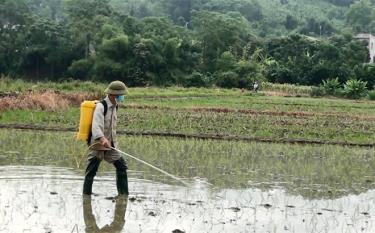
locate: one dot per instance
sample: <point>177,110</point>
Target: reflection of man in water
<point>118,220</point>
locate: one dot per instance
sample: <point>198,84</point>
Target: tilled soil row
<point>255,112</point>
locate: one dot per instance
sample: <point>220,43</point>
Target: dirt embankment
<point>55,100</point>
<point>45,100</point>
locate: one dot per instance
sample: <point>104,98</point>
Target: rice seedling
<point>297,168</point>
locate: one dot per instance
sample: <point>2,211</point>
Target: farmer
<point>256,86</point>
<point>104,136</point>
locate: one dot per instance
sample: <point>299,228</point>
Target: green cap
<point>116,88</point>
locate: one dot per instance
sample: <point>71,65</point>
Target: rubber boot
<point>87,185</point>
<point>122,183</point>
<point>121,177</point>
<point>92,168</point>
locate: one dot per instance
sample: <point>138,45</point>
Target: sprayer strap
<point>105,106</point>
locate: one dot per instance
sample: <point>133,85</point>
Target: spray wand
<point>152,166</point>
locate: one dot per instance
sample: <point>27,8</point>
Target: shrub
<point>196,79</point>
<point>81,69</point>
<point>227,79</point>
<point>355,89</point>
<point>108,70</point>
<point>340,92</point>
<point>331,86</point>
<point>317,91</point>
<point>371,95</point>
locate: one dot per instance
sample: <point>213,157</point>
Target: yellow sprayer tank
<point>85,121</point>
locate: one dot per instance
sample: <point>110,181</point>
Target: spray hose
<point>152,166</point>
<point>144,162</point>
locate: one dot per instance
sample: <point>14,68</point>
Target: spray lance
<point>146,163</point>
<point>152,166</point>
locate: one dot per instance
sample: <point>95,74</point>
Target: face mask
<point>120,98</point>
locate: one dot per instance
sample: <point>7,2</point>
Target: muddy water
<point>47,199</point>
<point>234,188</point>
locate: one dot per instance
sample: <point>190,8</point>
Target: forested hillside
<point>186,42</point>
<point>267,17</point>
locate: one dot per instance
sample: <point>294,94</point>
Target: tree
<point>366,72</point>
<point>290,22</point>
<point>313,27</point>
<point>110,61</point>
<point>361,16</point>
<point>48,50</point>
<point>179,11</point>
<point>51,9</point>
<point>14,20</point>
<point>341,2</point>
<point>232,35</point>
<point>226,62</point>
<point>308,61</point>
<point>250,9</point>
<point>85,20</point>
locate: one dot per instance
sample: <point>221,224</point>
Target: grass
<point>66,118</point>
<point>8,85</point>
<point>285,89</point>
<point>20,86</point>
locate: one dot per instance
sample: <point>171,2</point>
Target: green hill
<point>267,17</point>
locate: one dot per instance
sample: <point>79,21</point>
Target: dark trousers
<point>121,175</point>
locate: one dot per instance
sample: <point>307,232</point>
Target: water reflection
<point>48,199</point>
<point>118,220</point>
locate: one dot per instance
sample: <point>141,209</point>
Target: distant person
<point>104,136</point>
<point>256,86</point>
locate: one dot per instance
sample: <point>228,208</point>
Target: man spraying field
<point>103,137</point>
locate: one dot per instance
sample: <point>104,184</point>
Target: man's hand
<point>104,142</point>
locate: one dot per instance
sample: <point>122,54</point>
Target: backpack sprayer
<point>85,122</point>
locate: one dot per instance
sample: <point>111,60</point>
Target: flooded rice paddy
<point>234,187</point>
